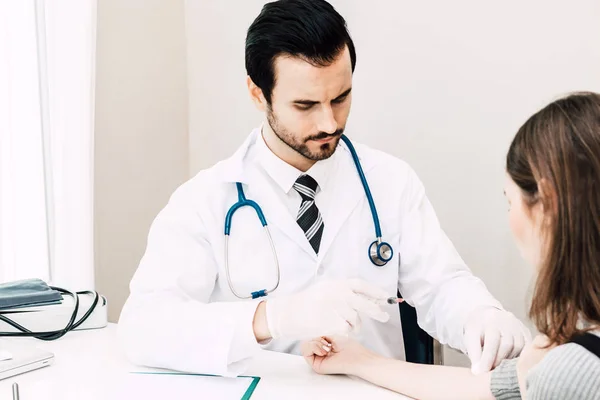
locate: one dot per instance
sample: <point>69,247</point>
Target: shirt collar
<point>322,170</point>
<point>284,174</point>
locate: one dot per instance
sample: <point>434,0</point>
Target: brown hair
<point>555,160</point>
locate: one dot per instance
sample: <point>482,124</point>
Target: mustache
<point>324,135</point>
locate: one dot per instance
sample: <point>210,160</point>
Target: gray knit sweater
<point>566,372</point>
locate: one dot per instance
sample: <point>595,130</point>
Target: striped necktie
<point>309,217</point>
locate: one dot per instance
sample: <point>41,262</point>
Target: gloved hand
<point>492,335</point>
<point>327,308</point>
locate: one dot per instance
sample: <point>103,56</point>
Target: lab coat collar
<point>281,172</point>
<point>348,188</point>
<point>232,168</point>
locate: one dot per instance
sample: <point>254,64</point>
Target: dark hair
<point>555,160</point>
<point>310,29</point>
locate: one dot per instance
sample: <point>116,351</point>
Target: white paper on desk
<point>5,355</point>
<point>161,386</point>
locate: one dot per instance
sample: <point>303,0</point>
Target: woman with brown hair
<point>553,189</point>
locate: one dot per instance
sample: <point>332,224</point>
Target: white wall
<point>443,85</point>
<point>141,143</point>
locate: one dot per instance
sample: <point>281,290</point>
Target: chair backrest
<point>418,345</point>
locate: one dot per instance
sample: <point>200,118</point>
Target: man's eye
<point>304,108</point>
<point>340,100</point>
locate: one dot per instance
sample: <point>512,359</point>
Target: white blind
<point>46,140</point>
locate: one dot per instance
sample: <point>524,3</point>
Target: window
<point>46,141</point>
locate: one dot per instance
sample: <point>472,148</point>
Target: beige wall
<point>141,140</point>
<point>223,115</point>
<point>443,85</point>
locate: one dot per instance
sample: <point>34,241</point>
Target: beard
<point>324,151</point>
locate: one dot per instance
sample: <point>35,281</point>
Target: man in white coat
<point>190,311</point>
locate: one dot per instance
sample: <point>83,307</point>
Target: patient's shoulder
<point>567,372</point>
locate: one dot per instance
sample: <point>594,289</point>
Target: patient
<point>553,191</point>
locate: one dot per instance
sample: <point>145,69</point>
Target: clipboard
<point>254,380</point>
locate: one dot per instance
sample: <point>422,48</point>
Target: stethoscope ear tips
<point>380,252</point>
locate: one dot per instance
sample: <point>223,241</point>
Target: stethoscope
<point>380,252</point>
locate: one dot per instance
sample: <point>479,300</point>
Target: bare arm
<point>425,382</point>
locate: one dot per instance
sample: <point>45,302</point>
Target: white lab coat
<point>182,315</point>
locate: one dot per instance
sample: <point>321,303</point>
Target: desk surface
<point>86,362</point>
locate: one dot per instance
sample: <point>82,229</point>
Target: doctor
<point>323,268</point>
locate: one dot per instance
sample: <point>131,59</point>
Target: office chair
<point>418,345</point>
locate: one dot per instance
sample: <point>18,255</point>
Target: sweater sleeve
<point>504,383</point>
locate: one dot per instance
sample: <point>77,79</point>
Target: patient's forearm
<point>425,382</point>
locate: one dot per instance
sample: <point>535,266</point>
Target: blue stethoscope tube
<point>380,252</point>
<point>242,202</point>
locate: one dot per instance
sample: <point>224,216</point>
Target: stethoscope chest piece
<point>380,252</point>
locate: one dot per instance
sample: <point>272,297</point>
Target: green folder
<point>247,395</point>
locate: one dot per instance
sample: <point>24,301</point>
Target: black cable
<point>90,310</point>
<point>53,335</point>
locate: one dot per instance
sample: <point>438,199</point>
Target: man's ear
<point>256,94</point>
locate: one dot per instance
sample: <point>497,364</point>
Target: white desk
<point>88,362</point>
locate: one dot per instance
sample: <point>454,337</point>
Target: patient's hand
<point>336,355</point>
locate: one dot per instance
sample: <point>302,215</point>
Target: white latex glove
<point>492,335</point>
<point>327,308</point>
